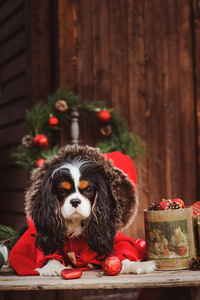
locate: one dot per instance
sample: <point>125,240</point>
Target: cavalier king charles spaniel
<point>82,193</point>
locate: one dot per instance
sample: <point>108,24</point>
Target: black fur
<point>99,227</point>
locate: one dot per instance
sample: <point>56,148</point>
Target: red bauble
<point>104,116</point>
<point>39,162</point>
<point>179,201</point>
<point>112,265</point>
<point>40,141</point>
<point>53,121</point>
<point>164,203</point>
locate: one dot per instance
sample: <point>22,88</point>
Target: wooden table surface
<point>93,280</point>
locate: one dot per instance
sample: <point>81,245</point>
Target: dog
<point>77,201</point>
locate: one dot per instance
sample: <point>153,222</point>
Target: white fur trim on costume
<point>52,268</point>
<point>4,251</point>
<point>137,267</point>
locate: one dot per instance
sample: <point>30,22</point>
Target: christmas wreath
<point>44,122</point>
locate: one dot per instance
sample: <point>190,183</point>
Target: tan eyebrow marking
<point>83,184</point>
<point>66,185</point>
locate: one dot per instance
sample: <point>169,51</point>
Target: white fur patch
<point>137,267</point>
<point>52,268</point>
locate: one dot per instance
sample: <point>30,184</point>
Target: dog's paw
<point>137,267</point>
<point>52,268</point>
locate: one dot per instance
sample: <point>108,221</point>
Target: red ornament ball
<point>53,121</point>
<point>164,203</point>
<point>40,141</point>
<point>39,162</point>
<point>112,265</point>
<point>104,116</point>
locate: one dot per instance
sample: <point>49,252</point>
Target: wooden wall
<point>143,58</point>
<point>25,78</point>
<point>14,98</point>
<point>139,56</point>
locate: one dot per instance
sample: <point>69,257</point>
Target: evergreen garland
<point>115,135</point>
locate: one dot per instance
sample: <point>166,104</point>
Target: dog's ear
<point>48,220</point>
<point>101,229</point>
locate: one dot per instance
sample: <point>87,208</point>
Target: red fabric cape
<point>25,258</point>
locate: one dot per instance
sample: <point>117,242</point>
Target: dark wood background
<point>139,56</point>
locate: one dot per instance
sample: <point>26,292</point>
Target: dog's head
<point>79,192</point>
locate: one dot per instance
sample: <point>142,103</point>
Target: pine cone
<point>61,105</point>
<point>106,130</point>
<point>195,264</point>
<point>173,205</point>
<point>27,141</point>
<point>155,206</point>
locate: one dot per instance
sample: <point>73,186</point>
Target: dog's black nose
<point>75,202</point>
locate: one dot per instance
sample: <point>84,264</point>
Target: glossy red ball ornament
<point>39,162</point>
<point>112,265</point>
<point>53,121</point>
<point>71,273</point>
<point>40,141</point>
<point>179,201</point>
<point>164,203</point>
<point>104,116</point>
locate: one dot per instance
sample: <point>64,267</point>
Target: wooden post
<point>74,126</point>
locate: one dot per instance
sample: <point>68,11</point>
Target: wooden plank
<point>7,10</point>
<point>154,107</point>
<point>7,29</point>
<point>67,39</point>
<point>13,67</point>
<point>118,55</point>
<point>12,135</point>
<point>196,26</point>
<point>14,112</point>
<point>14,89</point>
<point>40,56</point>
<point>84,49</point>
<point>13,46</point>
<point>101,50</point>
<point>14,220</point>
<point>93,280</point>
<point>13,200</point>
<point>137,103</point>
<point>13,178</point>
<point>171,100</point>
<point>6,159</point>
<point>187,102</point>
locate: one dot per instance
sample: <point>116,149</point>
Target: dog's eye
<point>62,192</point>
<point>88,190</point>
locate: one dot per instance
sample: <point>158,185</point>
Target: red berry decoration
<point>179,201</point>
<point>104,116</point>
<point>40,141</point>
<point>53,121</point>
<point>112,265</point>
<point>39,162</point>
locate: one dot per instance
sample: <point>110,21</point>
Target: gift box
<point>170,238</point>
